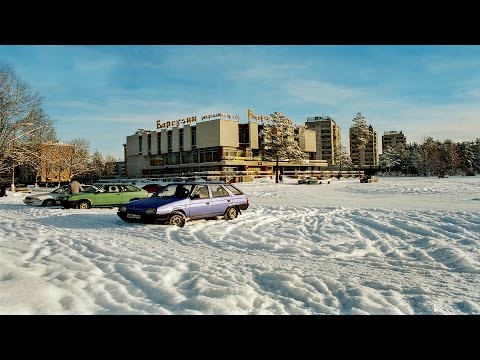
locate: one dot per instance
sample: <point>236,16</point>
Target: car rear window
<point>128,188</point>
<point>233,189</point>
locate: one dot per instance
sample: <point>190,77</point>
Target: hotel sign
<point>183,121</point>
<point>219,115</point>
<point>251,115</point>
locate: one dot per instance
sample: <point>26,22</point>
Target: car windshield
<point>174,190</point>
<point>61,190</point>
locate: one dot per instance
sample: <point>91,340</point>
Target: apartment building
<point>393,138</point>
<point>369,154</point>
<point>327,137</point>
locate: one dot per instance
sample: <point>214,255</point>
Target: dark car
<point>178,202</point>
<point>368,179</point>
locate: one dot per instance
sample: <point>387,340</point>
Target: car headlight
<point>122,208</point>
<point>151,211</point>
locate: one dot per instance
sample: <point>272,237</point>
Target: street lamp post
<point>20,124</point>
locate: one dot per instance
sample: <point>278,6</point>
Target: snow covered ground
<point>399,246</point>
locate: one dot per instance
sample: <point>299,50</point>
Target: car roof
<point>198,183</point>
<point>109,184</point>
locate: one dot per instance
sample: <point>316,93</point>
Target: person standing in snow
<point>3,190</point>
<point>75,186</point>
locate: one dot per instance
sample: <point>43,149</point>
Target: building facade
<point>393,138</point>
<point>217,147</point>
<point>327,137</point>
<point>55,157</point>
<point>369,154</point>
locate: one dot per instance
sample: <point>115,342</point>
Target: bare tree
<point>80,161</point>
<point>280,141</point>
<point>109,165</point>
<point>97,164</point>
<point>22,122</point>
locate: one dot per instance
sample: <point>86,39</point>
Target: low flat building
<point>217,146</point>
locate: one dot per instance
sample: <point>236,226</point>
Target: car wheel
<point>177,218</point>
<point>83,205</point>
<point>231,213</point>
<point>49,202</point>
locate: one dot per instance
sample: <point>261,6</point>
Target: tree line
<point>433,158</point>
<point>25,129</point>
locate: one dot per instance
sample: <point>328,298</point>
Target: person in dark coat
<point>3,190</point>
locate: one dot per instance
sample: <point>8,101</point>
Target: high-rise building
<point>392,138</point>
<point>327,136</point>
<point>367,155</point>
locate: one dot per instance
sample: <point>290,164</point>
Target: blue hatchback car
<point>178,202</point>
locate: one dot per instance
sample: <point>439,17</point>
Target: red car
<point>152,188</point>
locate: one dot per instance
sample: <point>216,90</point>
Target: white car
<point>47,199</point>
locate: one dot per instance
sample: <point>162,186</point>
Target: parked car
<point>308,180</point>
<point>152,188</point>
<point>368,179</point>
<point>106,195</point>
<point>47,199</point>
<point>178,202</point>
<point>324,181</point>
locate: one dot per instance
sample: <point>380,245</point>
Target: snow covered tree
<point>429,157</point>
<point>410,158</point>
<point>341,157</point>
<point>466,152</point>
<point>390,158</point>
<point>449,159</point>
<point>279,141</point>
<point>360,131</point>
<point>360,135</point>
<point>476,151</point>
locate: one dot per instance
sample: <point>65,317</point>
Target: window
<point>181,138</point>
<point>200,192</point>
<point>194,137</point>
<point>233,189</point>
<point>140,144</point>
<point>170,141</point>
<point>243,134</point>
<point>159,143</point>
<point>219,191</point>
<point>149,142</point>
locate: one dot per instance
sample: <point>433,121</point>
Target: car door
<point>220,199</point>
<point>111,196</point>
<point>200,202</point>
<point>130,192</point>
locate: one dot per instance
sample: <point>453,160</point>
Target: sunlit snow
<point>399,246</point>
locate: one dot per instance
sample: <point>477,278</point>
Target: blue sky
<point>105,93</point>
